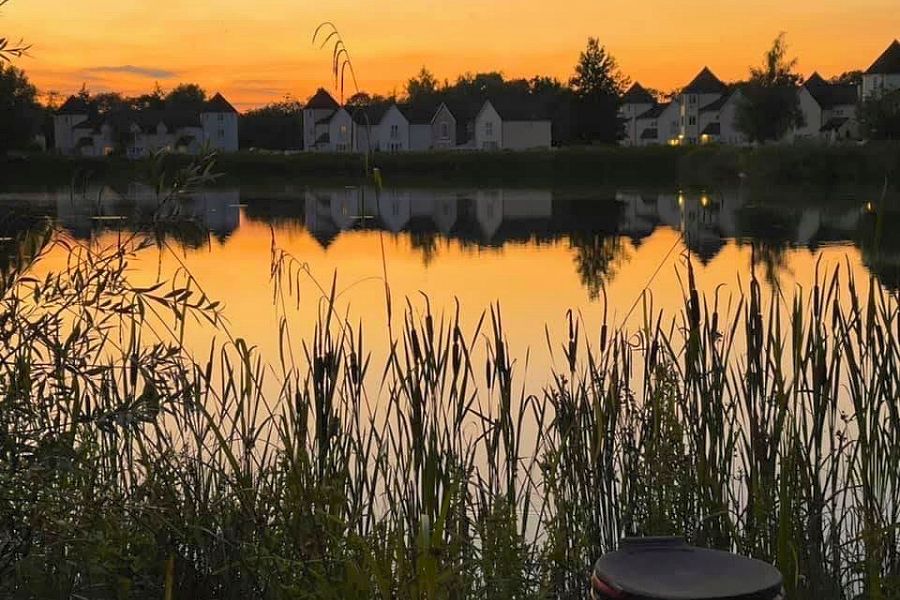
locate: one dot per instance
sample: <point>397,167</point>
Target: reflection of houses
<point>214,211</point>
<point>705,220</point>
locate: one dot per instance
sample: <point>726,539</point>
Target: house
<point>704,90</point>
<point>829,110</point>
<point>431,128</point>
<point>718,121</point>
<point>659,125</point>
<point>884,74</point>
<point>380,127</point>
<point>81,130</point>
<point>511,128</point>
<point>327,126</point>
<point>636,102</point>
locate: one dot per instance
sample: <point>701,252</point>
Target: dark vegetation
<point>128,468</point>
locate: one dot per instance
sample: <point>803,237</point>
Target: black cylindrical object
<point>665,568</point>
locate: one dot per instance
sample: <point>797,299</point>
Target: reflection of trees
<point>597,258</point>
<point>880,252</point>
<point>769,232</point>
<point>425,242</point>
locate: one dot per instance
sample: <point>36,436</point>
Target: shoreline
<point>869,164</point>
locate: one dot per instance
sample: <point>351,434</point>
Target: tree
<point>770,106</point>
<point>20,113</point>
<point>848,78</point>
<point>155,100</point>
<point>186,96</point>
<point>879,116</point>
<point>423,85</point>
<point>598,84</point>
<point>597,73</point>
<point>276,126</point>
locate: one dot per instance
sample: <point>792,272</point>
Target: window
<point>489,129</point>
<point>221,118</point>
<point>221,133</point>
<point>692,99</point>
<point>343,131</point>
<point>395,132</point>
<point>692,120</point>
<point>445,131</point>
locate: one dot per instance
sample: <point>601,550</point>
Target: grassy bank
<point>783,164</point>
<point>131,469</point>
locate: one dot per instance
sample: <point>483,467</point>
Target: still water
<point>538,253</point>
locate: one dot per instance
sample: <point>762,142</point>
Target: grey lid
<point>669,569</point>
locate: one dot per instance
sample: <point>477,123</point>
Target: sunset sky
<point>256,51</point>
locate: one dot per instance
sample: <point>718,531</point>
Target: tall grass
<point>131,469</point>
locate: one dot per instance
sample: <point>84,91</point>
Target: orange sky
<point>256,51</point>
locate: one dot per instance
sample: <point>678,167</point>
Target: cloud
<point>148,72</point>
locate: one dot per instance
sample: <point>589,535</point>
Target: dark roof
<point>322,99</point>
<point>705,83</point>
<point>888,63</point>
<point>829,95</point>
<point>148,120</point>
<point>834,124</point>
<point>92,124</point>
<point>651,133</point>
<point>717,105</point>
<point>375,113</point>
<point>323,139</point>
<point>421,113</point>
<point>712,129</point>
<point>74,105</point>
<point>218,104</point>
<point>518,111</point>
<point>636,94</point>
<point>655,112</point>
<point>326,118</point>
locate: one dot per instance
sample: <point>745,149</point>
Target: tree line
<point>583,109</point>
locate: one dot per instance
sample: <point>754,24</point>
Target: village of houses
<point>703,112</point>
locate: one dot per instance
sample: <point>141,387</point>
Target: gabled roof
<point>655,112</point>
<point>705,83</point>
<point>74,105</point>
<point>834,124</point>
<point>322,100</point>
<point>218,104</point>
<point>888,63</point>
<point>717,105</point>
<point>421,113</point>
<point>516,111</point>
<point>828,95</point>
<point>636,94</point>
<point>714,128</point>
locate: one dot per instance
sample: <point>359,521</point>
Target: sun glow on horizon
<point>262,52</point>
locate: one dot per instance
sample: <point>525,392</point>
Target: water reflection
<point>594,224</point>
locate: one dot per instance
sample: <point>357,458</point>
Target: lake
<point>537,252</point>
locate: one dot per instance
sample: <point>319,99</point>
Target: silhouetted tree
<point>276,126</point>
<point>186,96</point>
<point>598,84</point>
<point>770,106</point>
<point>20,113</point>
<point>154,100</point>
<point>879,116</point>
<point>423,86</point>
<point>848,78</point>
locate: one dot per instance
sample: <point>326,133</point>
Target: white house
<point>635,103</point>
<point>659,125</point>
<point>513,129</point>
<point>884,74</point>
<point>704,90</point>
<point>393,131</point>
<point>80,130</point>
<point>829,110</point>
<point>431,128</point>
<point>327,126</point>
<point>718,121</point>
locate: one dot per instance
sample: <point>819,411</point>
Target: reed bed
<point>130,469</point>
